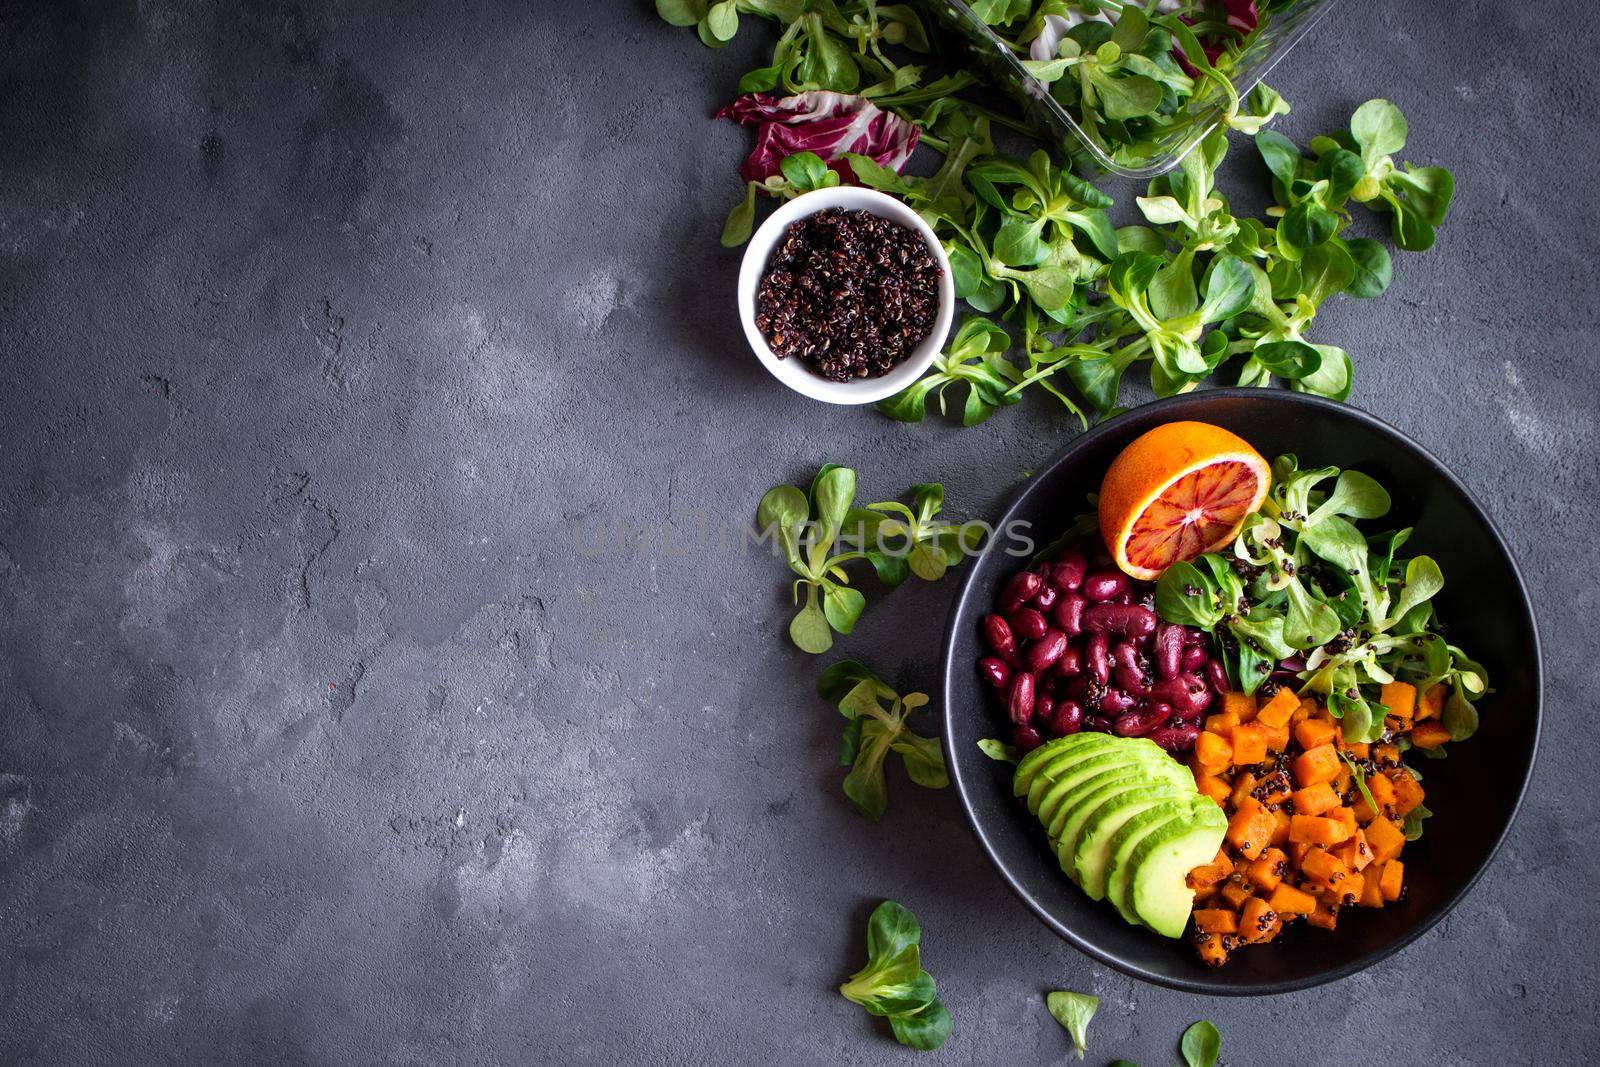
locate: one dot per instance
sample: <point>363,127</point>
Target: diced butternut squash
<point>1314,799</point>
<point>1216,920</point>
<point>1316,830</point>
<point>1408,792</point>
<point>1431,706</point>
<point>1256,920</point>
<point>1430,734</point>
<point>1297,853</point>
<point>1322,867</point>
<point>1249,744</point>
<point>1274,788</point>
<point>1211,786</point>
<point>1371,895</point>
<point>1308,709</point>
<point>1244,784</point>
<point>1280,709</point>
<point>1250,829</point>
<point>1346,817</point>
<point>1314,733</point>
<point>1354,853</point>
<point>1280,827</point>
<point>1287,900</point>
<point>1385,839</point>
<point>1385,755</point>
<point>1392,880</point>
<point>1277,737</point>
<point>1401,700</point>
<point>1319,764</point>
<point>1212,952</point>
<point>1268,869</point>
<point>1235,893</point>
<point>1213,751</point>
<point>1242,706</point>
<point>1325,915</point>
<point>1204,877</point>
<point>1222,724</point>
<point>1382,790</point>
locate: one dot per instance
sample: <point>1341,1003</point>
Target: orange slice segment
<point>1178,491</point>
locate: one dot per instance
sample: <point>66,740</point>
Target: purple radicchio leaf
<point>829,124</point>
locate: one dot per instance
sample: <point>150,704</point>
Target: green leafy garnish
<point>1073,1011</point>
<point>875,725</point>
<point>899,539</point>
<point>1201,1044</point>
<point>1302,579</point>
<point>805,527</point>
<point>997,750</point>
<point>893,983</point>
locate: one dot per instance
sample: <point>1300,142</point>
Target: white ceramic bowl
<point>793,372</point>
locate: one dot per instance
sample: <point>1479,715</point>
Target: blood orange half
<point>1180,490</point>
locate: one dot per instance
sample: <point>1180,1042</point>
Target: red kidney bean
<point>1137,722</point>
<point>1023,587</point>
<point>1169,649</point>
<point>1070,665</point>
<point>1068,718</point>
<point>1178,737</point>
<point>1043,653</point>
<point>1085,691</point>
<point>997,635</point>
<point>1193,637</point>
<point>993,670</point>
<point>1125,653</point>
<point>1097,657</point>
<point>1044,707</point>
<point>1115,702</point>
<point>1097,724</point>
<point>1185,692</point>
<point>1068,613</point>
<point>1025,739</point>
<point>1127,619</point>
<point>1068,570</point>
<point>1104,585</point>
<point>1020,698</point>
<point>1216,675</point>
<point>1045,599</point>
<point>1131,681</point>
<point>1025,622</point>
<point>1194,657</point>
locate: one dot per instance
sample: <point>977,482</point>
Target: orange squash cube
<point>1385,839</point>
<point>1279,710</point>
<point>1325,915</point>
<point>1392,880</point>
<point>1249,744</point>
<point>1256,920</point>
<point>1222,724</point>
<point>1250,829</point>
<point>1268,869</point>
<point>1212,750</point>
<point>1318,764</point>
<point>1430,734</point>
<point>1408,792</point>
<point>1216,920</point>
<point>1354,853</point>
<point>1212,786</point>
<point>1314,799</point>
<point>1431,706</point>
<point>1371,895</point>
<point>1287,900</point>
<point>1313,733</point>
<point>1235,893</point>
<point>1316,830</point>
<point>1242,706</point>
<point>1401,700</point>
<point>1211,950</point>
<point>1322,867</point>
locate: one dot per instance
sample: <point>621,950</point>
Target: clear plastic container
<point>1057,126</point>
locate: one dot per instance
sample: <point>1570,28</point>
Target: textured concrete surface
<point>325,741</point>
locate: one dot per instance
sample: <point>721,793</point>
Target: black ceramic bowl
<point>1474,794</point>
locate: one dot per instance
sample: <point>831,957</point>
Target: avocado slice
<point>1086,774</point>
<point>1160,867</point>
<point>1066,824</point>
<point>1067,767</point>
<point>1063,750</point>
<point>1092,856</point>
<point>1150,825</point>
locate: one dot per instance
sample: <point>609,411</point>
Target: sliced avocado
<point>1160,867</point>
<point>1053,754</point>
<point>1093,852</point>
<point>1068,766</point>
<point>1066,823</point>
<point>1151,824</point>
<point>1088,772</point>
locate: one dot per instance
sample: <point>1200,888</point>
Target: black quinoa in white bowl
<point>845,295</point>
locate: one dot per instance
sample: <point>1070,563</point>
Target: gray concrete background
<point>321,329</point>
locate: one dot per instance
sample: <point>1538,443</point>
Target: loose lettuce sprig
<point>876,726</point>
<point>893,983</point>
